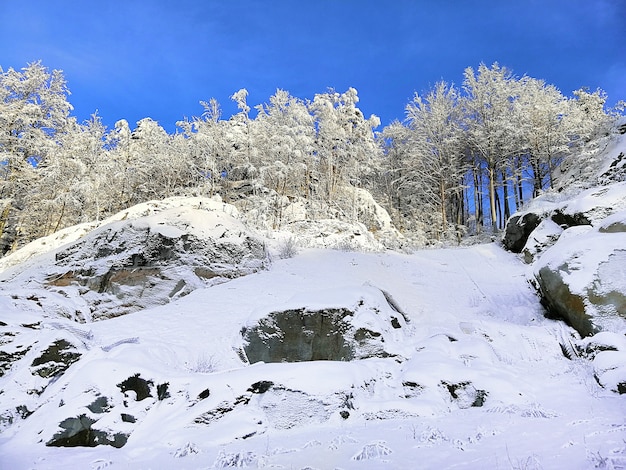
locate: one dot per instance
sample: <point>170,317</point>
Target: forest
<point>461,160</point>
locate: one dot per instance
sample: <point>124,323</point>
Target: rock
<point>616,170</point>
<point>464,394</point>
<point>140,387</point>
<point>144,261</point>
<point>560,302</point>
<point>55,359</point>
<point>582,279</point>
<point>588,207</point>
<point>544,236</point>
<point>78,432</point>
<point>614,224</point>
<point>365,328</point>
<point>300,335</point>
<point>566,220</point>
<point>518,229</point>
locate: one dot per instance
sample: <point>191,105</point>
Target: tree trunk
<point>492,198</point>
<point>505,188</point>
<point>442,195</point>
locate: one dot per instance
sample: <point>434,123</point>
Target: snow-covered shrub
<point>372,451</point>
<point>204,364</point>
<point>240,459</point>
<point>288,248</point>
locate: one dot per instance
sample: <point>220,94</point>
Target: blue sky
<point>158,59</point>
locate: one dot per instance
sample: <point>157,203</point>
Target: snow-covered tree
<point>543,121</point>
<point>34,112</point>
<point>345,145</point>
<point>491,132</point>
<point>285,138</point>
<point>436,154</point>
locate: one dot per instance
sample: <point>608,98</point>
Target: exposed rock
<point>616,170</point>
<point>126,418</point>
<point>464,394</point>
<point>518,229</point>
<point>8,358</point>
<point>364,329</point>
<point>140,262</point>
<point>261,387</point>
<point>544,236</point>
<point>566,220</point>
<point>99,405</point>
<point>582,279</point>
<point>78,431</point>
<point>589,207</point>
<point>300,335</point>
<point>561,302</point>
<point>55,359</point>
<point>614,224</point>
<point>139,386</point>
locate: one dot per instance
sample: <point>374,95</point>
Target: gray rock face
<point>590,207</point>
<point>300,335</point>
<point>129,265</point>
<point>577,246</point>
<point>518,229</point>
<point>78,432</point>
<point>582,279</point>
<point>561,303</point>
<point>328,334</point>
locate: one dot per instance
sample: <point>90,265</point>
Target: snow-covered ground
<point>478,378</point>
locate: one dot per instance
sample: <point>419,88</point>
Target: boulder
<point>145,260</point>
<point>366,327</point>
<point>588,207</point>
<point>543,237</point>
<point>607,352</point>
<point>78,432</point>
<point>582,279</point>
<point>614,224</point>
<point>518,229</point>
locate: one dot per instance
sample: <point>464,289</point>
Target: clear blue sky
<point>154,58</point>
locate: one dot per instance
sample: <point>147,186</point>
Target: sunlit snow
<point>479,380</point>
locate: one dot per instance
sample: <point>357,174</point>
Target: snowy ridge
<point>71,234</point>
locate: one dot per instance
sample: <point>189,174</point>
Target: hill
<point>441,355</point>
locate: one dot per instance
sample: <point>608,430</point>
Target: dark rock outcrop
<point>132,264</point>
<point>561,303</point>
<point>300,335</point>
<point>78,432</point>
<point>590,207</point>
<point>518,229</point>
<point>55,359</point>
<point>582,279</point>
<point>366,329</point>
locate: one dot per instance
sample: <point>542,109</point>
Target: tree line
<point>462,159</point>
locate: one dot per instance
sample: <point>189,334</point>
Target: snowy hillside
<point>443,359</point>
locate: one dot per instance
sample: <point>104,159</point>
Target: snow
<point>585,249</point>
<point>475,332</point>
<point>71,234</point>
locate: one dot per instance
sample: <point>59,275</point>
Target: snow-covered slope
<point>145,256</point>
<point>576,239</point>
<point>475,377</point>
